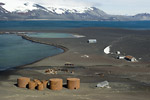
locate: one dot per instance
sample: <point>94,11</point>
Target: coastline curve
<point>65,49</point>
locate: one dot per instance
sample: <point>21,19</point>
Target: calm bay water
<point>15,51</point>
<point>49,25</point>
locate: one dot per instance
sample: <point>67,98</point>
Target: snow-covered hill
<point>24,6</point>
<point>17,5</point>
<point>47,10</point>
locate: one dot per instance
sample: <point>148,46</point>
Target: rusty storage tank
<point>40,87</point>
<point>22,82</point>
<point>73,83</point>
<point>37,81</point>
<point>44,82</point>
<point>56,84</point>
<point>32,85</point>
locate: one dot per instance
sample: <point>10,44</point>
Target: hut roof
<point>128,57</point>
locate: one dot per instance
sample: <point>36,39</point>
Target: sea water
<point>52,25</point>
<point>15,51</point>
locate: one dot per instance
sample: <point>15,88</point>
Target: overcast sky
<point>123,7</point>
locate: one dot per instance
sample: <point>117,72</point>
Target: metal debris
<point>50,71</point>
<point>104,84</point>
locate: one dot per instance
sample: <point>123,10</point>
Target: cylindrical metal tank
<point>73,83</point>
<point>37,81</point>
<point>45,82</point>
<point>40,87</point>
<point>56,84</point>
<point>32,85</point>
<point>22,82</point>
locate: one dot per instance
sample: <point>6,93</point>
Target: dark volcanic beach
<point>128,80</point>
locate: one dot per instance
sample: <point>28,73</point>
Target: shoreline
<point>65,48</point>
<point>91,65</point>
<point>58,45</point>
<point>35,41</point>
<point>86,38</point>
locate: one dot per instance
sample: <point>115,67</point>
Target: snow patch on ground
<point>107,50</point>
<point>70,10</point>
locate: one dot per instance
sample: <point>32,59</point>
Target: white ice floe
<point>107,50</point>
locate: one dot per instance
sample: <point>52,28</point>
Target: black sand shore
<point>128,80</point>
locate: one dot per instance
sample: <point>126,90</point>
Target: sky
<point>117,7</point>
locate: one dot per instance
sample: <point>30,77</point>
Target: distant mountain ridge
<point>33,11</point>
